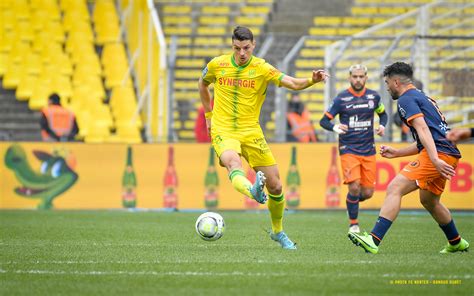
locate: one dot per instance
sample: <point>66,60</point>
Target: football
<point>210,226</point>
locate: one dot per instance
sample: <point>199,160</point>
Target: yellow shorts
<point>249,143</point>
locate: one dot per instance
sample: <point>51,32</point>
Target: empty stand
<point>51,46</point>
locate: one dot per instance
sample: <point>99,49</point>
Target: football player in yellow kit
<point>240,83</point>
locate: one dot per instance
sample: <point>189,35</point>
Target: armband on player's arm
<point>208,115</point>
<point>311,82</point>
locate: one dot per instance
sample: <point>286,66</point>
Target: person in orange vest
<point>299,125</point>
<point>58,124</point>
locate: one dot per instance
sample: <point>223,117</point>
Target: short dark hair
<point>55,99</point>
<point>242,33</point>
<point>400,69</point>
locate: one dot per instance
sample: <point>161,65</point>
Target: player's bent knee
<point>275,188</point>
<point>428,203</point>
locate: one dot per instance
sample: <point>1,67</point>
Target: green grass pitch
<point>157,253</point>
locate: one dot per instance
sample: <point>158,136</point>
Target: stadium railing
<point>437,49</point>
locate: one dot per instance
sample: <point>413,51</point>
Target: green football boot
<point>365,241</point>
<point>462,246</point>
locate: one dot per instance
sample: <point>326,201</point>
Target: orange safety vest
<point>301,126</point>
<point>60,121</point>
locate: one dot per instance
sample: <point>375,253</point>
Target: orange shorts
<point>425,174</point>
<point>356,167</point>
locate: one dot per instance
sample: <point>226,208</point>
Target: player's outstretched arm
<point>458,134</point>
<point>303,83</point>
<point>390,152</point>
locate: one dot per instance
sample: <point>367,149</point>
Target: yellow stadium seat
<point>39,97</point>
<point>25,88</point>
<point>61,85</point>
<point>178,30</point>
<point>3,63</point>
<point>206,52</point>
<point>186,134</point>
<point>364,10</point>
<point>260,1</point>
<point>177,9</point>
<point>224,9</point>
<point>12,76</point>
<point>213,31</point>
<point>96,133</point>
<point>348,31</point>
<point>357,21</point>
<point>323,31</point>
<point>248,10</point>
<point>309,64</point>
<point>113,52</point>
<point>392,10</point>
<point>327,20</point>
<point>187,74</point>
<point>129,134</point>
<point>177,20</point>
<point>190,63</point>
<point>184,84</point>
<point>209,41</point>
<point>213,20</point>
<point>32,64</point>
<point>186,95</point>
<point>317,42</point>
<point>250,20</point>
<point>311,53</point>
<point>21,10</point>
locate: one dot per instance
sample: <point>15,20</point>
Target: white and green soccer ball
<point>210,226</point>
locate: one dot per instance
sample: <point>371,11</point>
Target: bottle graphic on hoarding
<point>170,183</point>
<point>250,203</point>
<point>333,182</point>
<point>211,183</point>
<point>293,182</point>
<point>129,182</point>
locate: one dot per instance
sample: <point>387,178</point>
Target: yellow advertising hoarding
<point>91,176</point>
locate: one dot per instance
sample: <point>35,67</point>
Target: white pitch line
<point>75,262</point>
<point>144,273</point>
<point>221,274</point>
<point>94,244</point>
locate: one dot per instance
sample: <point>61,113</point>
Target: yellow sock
<point>276,206</point>
<point>240,182</point>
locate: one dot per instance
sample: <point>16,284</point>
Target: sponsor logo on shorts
<point>415,164</point>
<point>262,144</point>
<point>217,140</point>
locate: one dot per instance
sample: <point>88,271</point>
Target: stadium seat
<point>214,10</point>
<point>177,9</point>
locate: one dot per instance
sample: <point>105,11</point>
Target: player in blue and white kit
<point>436,162</point>
<point>356,107</point>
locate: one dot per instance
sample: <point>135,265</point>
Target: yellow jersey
<point>239,91</point>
